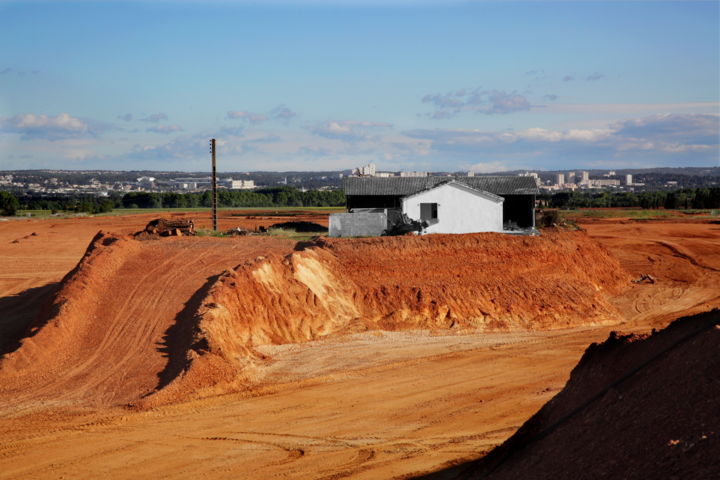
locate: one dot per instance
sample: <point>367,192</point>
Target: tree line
<point>688,198</point>
<point>266,197</point>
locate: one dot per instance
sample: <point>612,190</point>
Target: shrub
<point>8,204</point>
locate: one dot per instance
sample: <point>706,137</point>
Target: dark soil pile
<point>634,408</point>
<point>303,227</point>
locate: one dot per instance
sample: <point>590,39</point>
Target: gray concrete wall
<point>357,224</point>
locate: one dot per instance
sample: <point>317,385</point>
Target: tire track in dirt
<point>676,250</point>
<point>114,349</point>
<point>104,354</point>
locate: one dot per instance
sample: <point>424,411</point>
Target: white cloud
<point>249,117</point>
<point>31,125</point>
<point>659,134</point>
<point>348,130</point>
<point>488,102</point>
<point>165,129</point>
<point>154,118</point>
<point>281,113</point>
<point>487,167</point>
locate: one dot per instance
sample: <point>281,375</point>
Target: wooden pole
<point>214,187</point>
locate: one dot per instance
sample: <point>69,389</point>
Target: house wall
<point>459,210</point>
<point>358,224</point>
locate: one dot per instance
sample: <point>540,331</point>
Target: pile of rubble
<point>164,227</point>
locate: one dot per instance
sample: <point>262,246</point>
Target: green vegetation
<point>268,197</point>
<point>689,198</point>
<point>204,232</point>
<point>9,204</point>
<point>294,235</point>
<point>265,197</point>
<point>618,213</point>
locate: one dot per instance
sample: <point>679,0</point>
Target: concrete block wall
<point>357,224</point>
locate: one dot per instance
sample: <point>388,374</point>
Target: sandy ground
<point>374,405</point>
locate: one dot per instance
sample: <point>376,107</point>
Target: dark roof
<point>402,186</point>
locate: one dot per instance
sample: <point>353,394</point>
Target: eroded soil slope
<point>485,282</point>
<point>110,335</point>
<point>635,407</point>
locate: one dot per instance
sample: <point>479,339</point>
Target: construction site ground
<point>370,405</point>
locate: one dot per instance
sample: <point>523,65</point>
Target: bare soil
<point>363,402</point>
<point>635,407</point>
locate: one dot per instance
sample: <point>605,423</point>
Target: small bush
<point>550,218</point>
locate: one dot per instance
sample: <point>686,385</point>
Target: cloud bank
<point>488,102</point>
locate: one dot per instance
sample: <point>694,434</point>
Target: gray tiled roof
<point>403,186</point>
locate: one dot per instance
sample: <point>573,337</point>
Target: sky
<point>409,85</point>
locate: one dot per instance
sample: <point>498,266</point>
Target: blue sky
<point>298,85</point>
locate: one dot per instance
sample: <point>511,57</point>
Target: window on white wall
<point>428,211</point>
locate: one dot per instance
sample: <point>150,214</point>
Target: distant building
<point>145,182</point>
<point>366,171</point>
<point>571,177</point>
<point>585,178</point>
<point>628,179</point>
<point>560,179</point>
<point>237,184</point>
<point>189,183</point>
<point>413,174</point>
<point>603,182</point>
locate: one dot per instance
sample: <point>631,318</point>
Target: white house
<point>436,204</point>
<point>454,207</point>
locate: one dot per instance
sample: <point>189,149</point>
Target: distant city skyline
<point>414,86</point>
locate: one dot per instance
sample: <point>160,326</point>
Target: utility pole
<point>214,186</point>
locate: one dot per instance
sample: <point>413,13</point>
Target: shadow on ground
<point>24,314</point>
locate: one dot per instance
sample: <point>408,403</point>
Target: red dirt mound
<point>118,327</point>
<point>488,282</point>
<point>634,408</point>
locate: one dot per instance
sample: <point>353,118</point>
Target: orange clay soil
<point>116,331</point>
<point>112,331</point>
<point>171,318</point>
<point>635,407</point>
<point>481,282</point>
<point>683,258</point>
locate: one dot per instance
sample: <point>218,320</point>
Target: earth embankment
<point>160,319</point>
<point>111,334</point>
<point>485,282</point>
